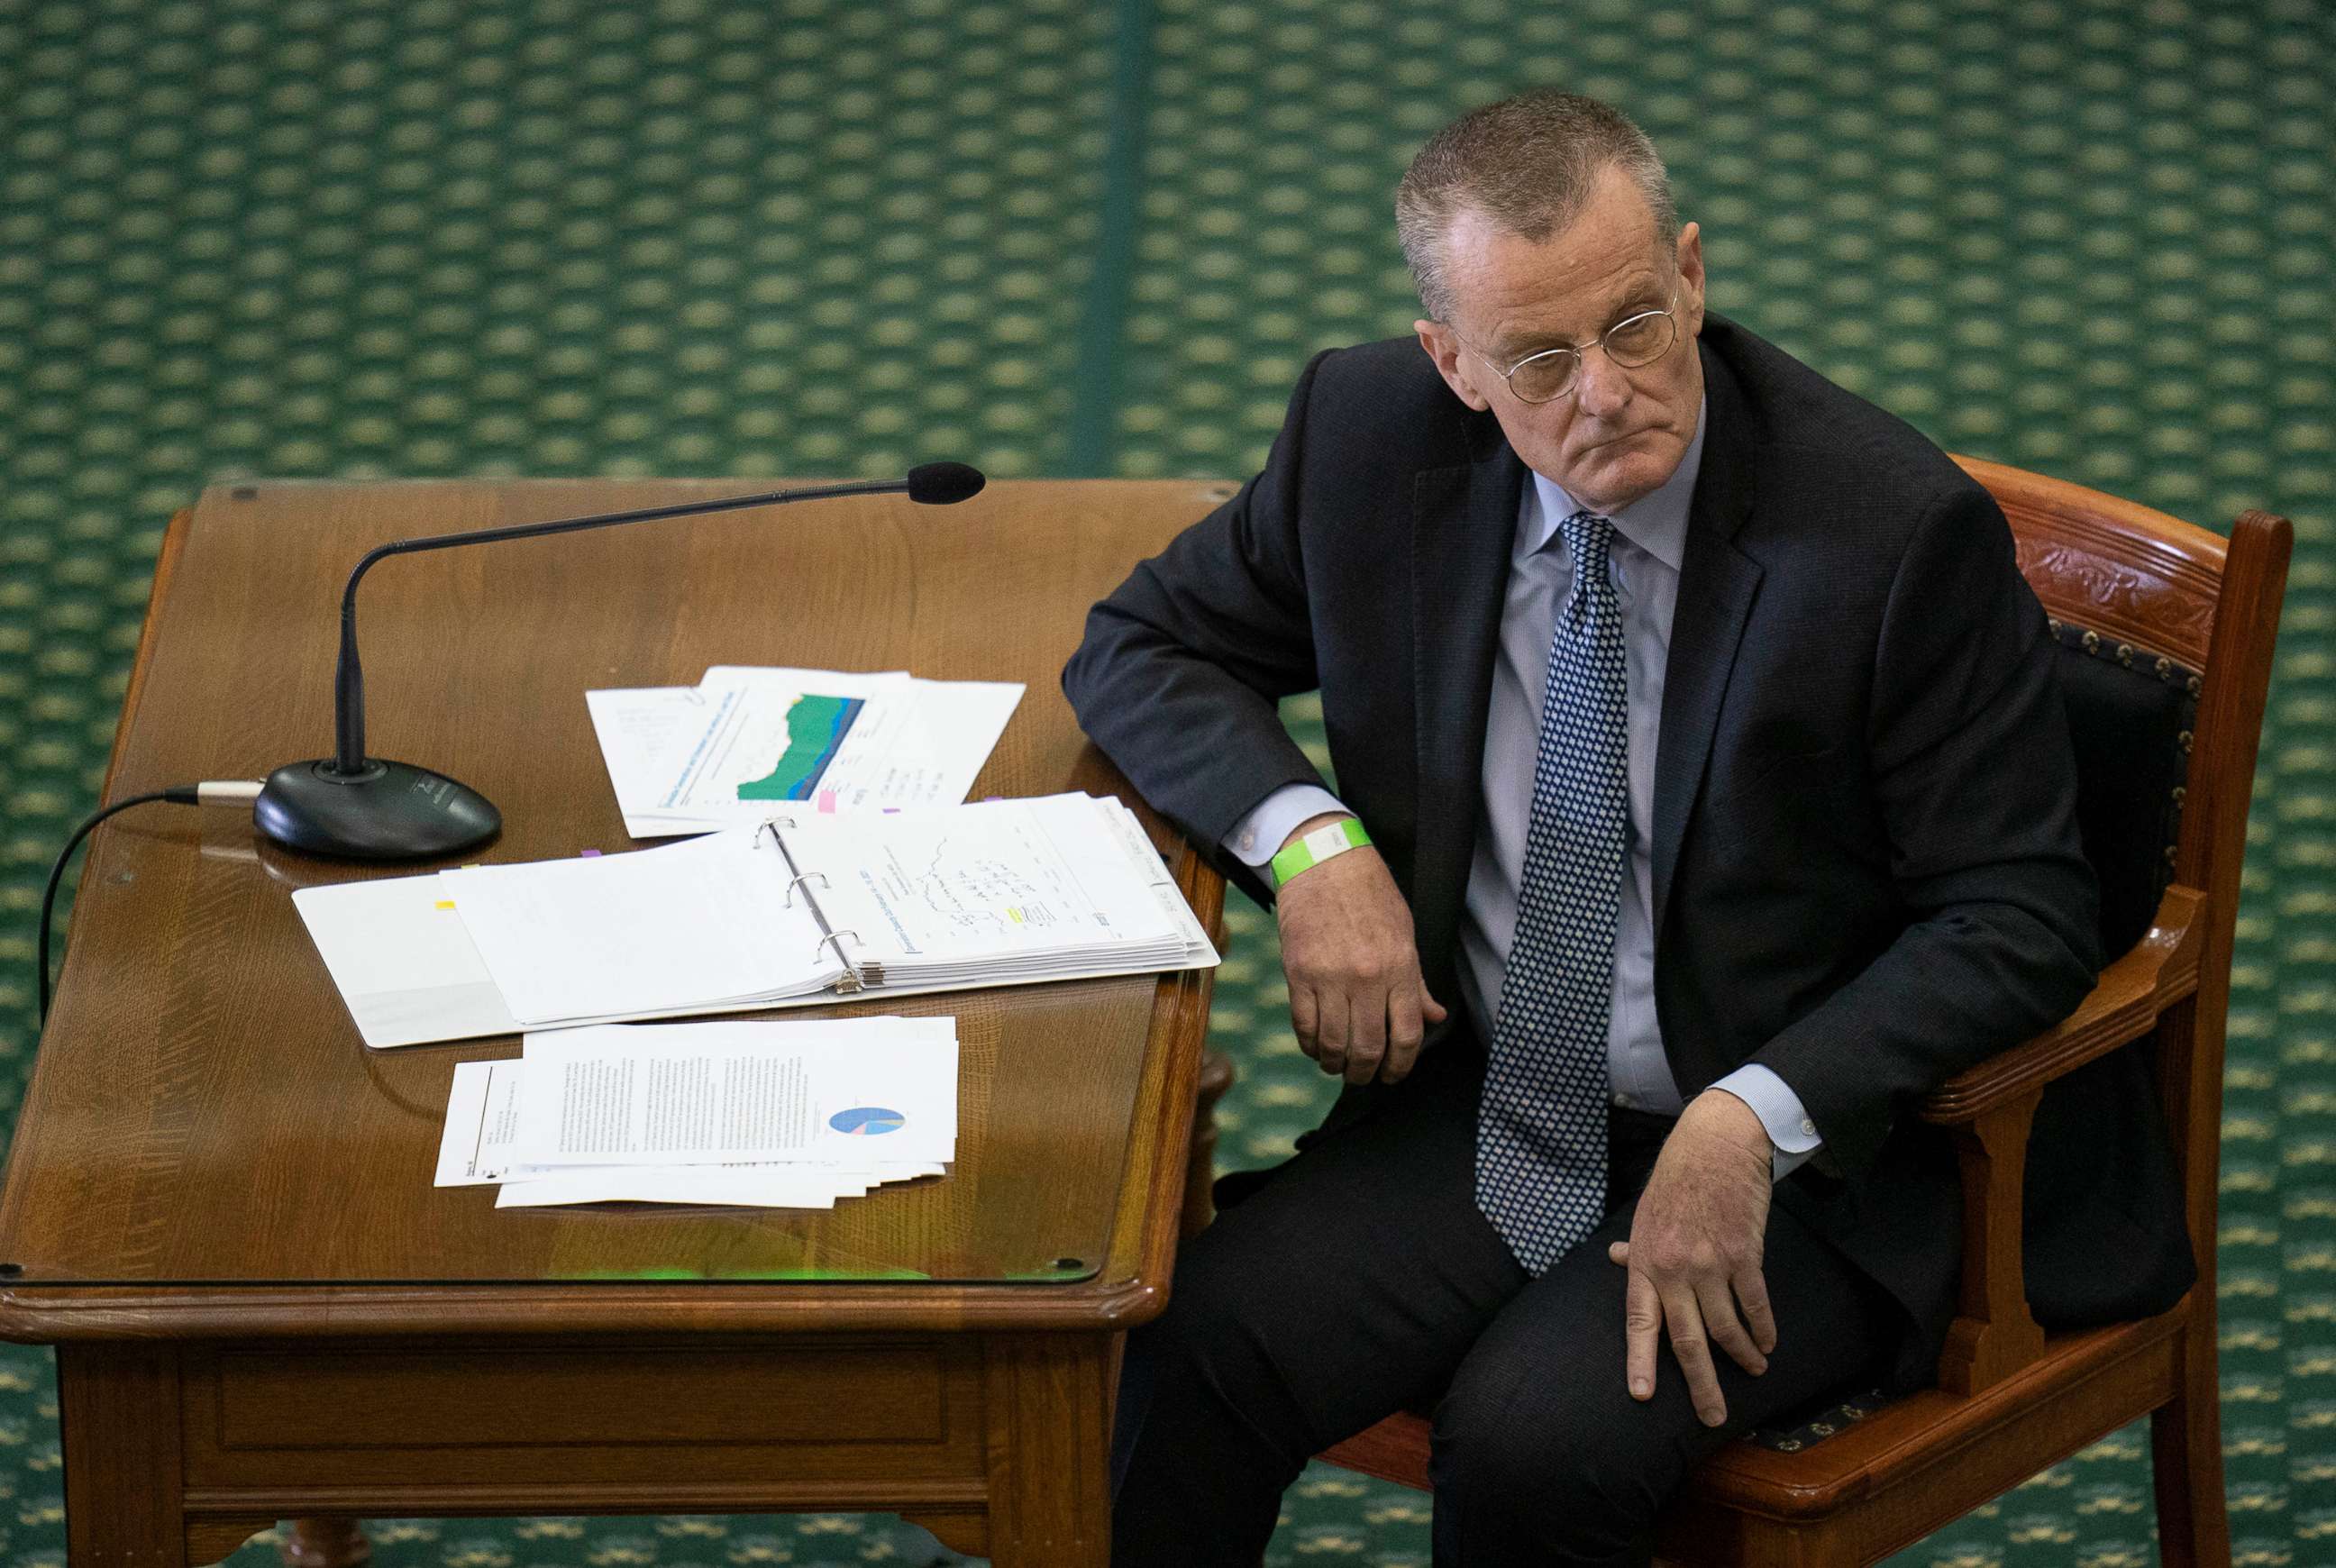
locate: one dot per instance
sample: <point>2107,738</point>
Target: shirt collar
<point>1656,522</point>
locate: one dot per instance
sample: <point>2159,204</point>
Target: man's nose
<point>1601,387</point>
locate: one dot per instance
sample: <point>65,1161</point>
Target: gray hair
<point>1529,164</point>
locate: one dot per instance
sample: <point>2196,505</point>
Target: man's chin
<point>1620,472</point>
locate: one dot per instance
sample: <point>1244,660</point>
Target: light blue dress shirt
<point>1648,543</point>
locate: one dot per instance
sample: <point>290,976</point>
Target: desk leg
<point>118,1407</point>
<point>1049,1405</point>
<point>325,1543</point>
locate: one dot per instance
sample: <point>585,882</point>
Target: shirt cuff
<point>1257,837</point>
<point>1780,1112</point>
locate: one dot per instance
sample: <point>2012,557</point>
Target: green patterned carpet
<point>694,237</point>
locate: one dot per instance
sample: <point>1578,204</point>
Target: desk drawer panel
<point>561,1408</point>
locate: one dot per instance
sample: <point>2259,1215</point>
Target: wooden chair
<point>2146,598</point>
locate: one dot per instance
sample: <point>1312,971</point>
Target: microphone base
<point>393,811</point>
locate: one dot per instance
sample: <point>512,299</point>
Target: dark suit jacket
<point>1866,866</point>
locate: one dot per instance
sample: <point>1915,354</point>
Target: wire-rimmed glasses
<point>1636,340</point>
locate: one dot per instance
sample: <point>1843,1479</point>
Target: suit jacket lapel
<point>1463,523</point>
<point>1717,583</point>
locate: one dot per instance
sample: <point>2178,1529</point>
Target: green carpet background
<point>692,236</point>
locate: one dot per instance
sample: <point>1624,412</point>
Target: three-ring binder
<point>856,976</point>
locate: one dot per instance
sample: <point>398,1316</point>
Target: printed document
<point>694,759</point>
<point>680,1090</point>
<point>716,1093</point>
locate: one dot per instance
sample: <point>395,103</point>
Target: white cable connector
<point>237,791</point>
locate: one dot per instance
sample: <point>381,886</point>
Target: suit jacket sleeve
<point>1178,677</point>
<point>1975,781</point>
<point>1977,793</point>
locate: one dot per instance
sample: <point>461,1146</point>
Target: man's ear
<point>1445,349</point>
<point>1690,270</point>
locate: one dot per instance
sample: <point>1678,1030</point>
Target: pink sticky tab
<point>588,855</point>
<point>827,800</point>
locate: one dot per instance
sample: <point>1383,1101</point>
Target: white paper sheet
<point>706,923</point>
<point>481,1118</point>
<point>690,759</point>
<point>718,1093</point>
<point>774,1185</point>
<point>476,1149</point>
<point>1024,880</point>
<point>1154,874</point>
<point>403,962</point>
<point>640,729</point>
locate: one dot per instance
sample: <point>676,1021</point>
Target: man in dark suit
<point>1705,798</point>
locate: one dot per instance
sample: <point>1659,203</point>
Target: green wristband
<point>1317,846</point>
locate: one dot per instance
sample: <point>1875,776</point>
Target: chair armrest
<point>1988,1112</point>
<point>2160,970</point>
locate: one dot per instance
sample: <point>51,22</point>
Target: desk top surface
<point>206,1142</point>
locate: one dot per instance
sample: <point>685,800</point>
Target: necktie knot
<point>1586,534</point>
<point>1588,538</point>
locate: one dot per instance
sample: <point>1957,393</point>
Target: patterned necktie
<point>1540,1126</point>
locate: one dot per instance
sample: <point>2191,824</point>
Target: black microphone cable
<point>210,793</point>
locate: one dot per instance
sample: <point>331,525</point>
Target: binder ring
<point>789,901</point>
<point>837,937</point>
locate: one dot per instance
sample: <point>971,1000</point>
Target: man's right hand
<point>1356,1001</point>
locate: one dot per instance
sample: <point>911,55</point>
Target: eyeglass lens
<point>1641,340</point>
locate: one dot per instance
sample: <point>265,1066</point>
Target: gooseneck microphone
<point>357,807</point>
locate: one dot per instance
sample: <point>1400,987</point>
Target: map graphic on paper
<point>816,727</point>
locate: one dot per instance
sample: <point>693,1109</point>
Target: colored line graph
<point>816,727</point>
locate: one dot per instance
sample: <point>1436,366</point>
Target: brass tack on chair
<point>2196,685</point>
<point>2181,794</point>
<point>2125,654</point>
<point>2092,642</point>
<point>2164,667</point>
<point>2185,743</point>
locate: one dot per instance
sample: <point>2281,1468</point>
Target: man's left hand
<point>1695,1249</point>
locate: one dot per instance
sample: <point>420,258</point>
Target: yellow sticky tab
<point>445,903</point>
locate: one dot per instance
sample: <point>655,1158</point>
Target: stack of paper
<point>759,1115</point>
<point>690,759</point>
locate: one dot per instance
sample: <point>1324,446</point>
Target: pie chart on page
<point>866,1121</point>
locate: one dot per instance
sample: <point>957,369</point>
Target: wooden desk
<point>218,1207</point>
